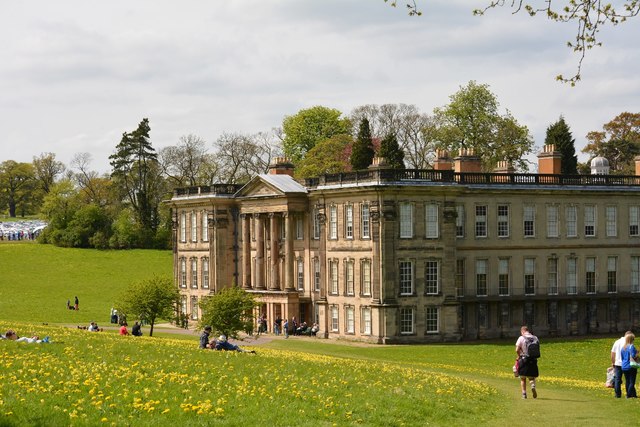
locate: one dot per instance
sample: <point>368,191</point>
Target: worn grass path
<point>562,400</point>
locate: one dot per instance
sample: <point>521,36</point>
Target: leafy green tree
<point>47,170</point>
<point>619,142</point>
<point>305,129</point>
<point>560,135</point>
<point>58,208</point>
<point>229,311</point>
<point>392,153</point>
<point>328,156</point>
<point>137,175</point>
<point>17,186</point>
<point>150,300</point>
<point>472,121</point>
<point>89,227</point>
<point>362,152</point>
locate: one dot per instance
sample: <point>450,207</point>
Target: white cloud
<point>75,75</point>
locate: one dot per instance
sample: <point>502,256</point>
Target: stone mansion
<point>419,256</point>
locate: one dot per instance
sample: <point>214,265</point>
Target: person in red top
<point>123,329</point>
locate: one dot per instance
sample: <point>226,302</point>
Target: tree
<point>149,300</point>
<point>410,127</point>
<point>362,152</point>
<point>47,169</point>
<point>137,175</point>
<point>472,121</point>
<point>228,312</point>
<point>17,185</point>
<point>559,135</point>
<point>241,156</point>
<point>183,163</point>
<point>306,128</point>
<point>619,142</point>
<point>391,152</point>
<point>328,156</point>
<point>589,16</point>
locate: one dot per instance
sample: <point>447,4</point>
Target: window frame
<point>431,277</point>
<point>365,221</point>
<point>529,221</point>
<point>432,319</point>
<point>432,220</point>
<point>503,221</point>
<point>481,231</point>
<point>205,272</point>
<point>407,320</point>
<point>348,222</point>
<point>405,215</point>
<point>404,279</point>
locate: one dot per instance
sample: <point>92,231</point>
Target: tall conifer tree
<point>392,153</point>
<point>362,152</point>
<point>560,135</point>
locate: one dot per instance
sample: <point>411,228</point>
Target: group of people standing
<point>623,356</point>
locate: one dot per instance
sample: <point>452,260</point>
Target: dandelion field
<point>85,378</point>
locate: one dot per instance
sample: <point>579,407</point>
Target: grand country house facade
<point>417,256</point>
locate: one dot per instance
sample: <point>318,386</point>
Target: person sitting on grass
<point>223,345</point>
<point>136,331</point>
<point>93,327</point>
<point>123,329</point>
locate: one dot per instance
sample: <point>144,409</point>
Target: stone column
<point>260,251</point>
<point>288,253</point>
<point>275,252</point>
<point>322,219</point>
<point>246,251</point>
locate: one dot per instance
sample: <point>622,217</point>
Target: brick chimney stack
<point>281,166</point>
<point>467,161</point>
<point>550,160</point>
<point>504,166</point>
<point>443,161</point>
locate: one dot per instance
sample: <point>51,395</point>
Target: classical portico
<point>269,205</point>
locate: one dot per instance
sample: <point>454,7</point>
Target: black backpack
<point>533,347</point>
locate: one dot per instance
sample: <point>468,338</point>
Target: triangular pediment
<point>271,186</point>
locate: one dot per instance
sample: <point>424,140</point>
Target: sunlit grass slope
<point>86,378</point>
<point>36,280</point>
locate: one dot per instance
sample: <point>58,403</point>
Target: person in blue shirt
<point>628,354</point>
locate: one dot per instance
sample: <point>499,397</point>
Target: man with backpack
<point>528,351</point>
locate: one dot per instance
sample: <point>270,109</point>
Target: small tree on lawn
<point>228,312</point>
<point>150,299</point>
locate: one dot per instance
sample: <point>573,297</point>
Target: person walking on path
<point>627,354</point>
<point>286,328</point>
<point>527,363</point>
<point>616,362</point>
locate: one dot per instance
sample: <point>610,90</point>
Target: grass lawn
<point>37,280</point>
<point>85,378</point>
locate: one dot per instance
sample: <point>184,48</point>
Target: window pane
<point>406,278</point>
<point>431,215</point>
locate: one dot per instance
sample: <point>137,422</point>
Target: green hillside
<point>36,280</point>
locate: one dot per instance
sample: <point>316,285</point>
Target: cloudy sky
<point>76,74</point>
